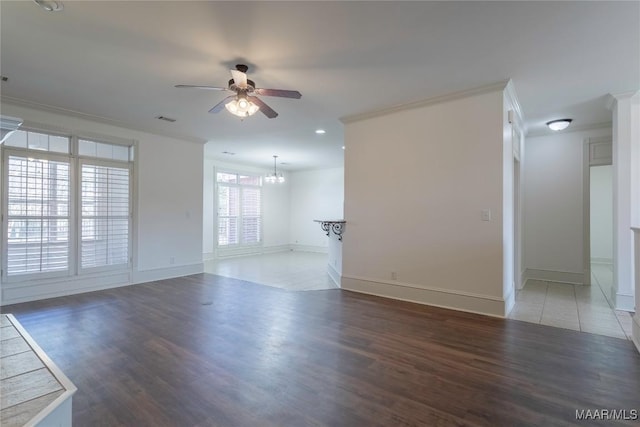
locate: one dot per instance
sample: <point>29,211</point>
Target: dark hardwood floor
<point>210,351</point>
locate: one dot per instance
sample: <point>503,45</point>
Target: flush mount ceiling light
<point>320,131</point>
<point>274,177</point>
<point>560,124</point>
<point>50,6</point>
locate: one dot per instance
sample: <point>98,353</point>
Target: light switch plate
<point>485,215</point>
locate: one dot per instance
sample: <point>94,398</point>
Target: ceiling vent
<point>166,119</point>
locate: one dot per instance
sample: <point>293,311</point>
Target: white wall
<point>601,210</point>
<point>553,205</point>
<point>315,194</point>
<point>416,181</point>
<point>169,207</point>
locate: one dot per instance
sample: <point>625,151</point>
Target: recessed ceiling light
<point>50,6</point>
<point>320,131</point>
<point>343,147</point>
<point>560,124</point>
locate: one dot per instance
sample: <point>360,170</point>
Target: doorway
<point>601,228</point>
<point>517,266</point>
<point>598,154</point>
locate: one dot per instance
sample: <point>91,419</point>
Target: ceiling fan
<point>245,103</point>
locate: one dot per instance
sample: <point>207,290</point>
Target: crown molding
<point>18,102</point>
<point>423,103</point>
<point>612,98</point>
<point>510,92</point>
<point>576,128</point>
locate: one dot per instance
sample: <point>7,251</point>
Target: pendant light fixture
<point>274,177</point>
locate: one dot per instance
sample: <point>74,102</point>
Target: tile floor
<point>295,271</point>
<point>581,308</point>
<point>577,307</point>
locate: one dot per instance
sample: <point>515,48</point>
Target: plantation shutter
<point>239,209</point>
<point>105,215</point>
<point>38,214</point>
<point>251,221</point>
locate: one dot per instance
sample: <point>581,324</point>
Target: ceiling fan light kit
<point>241,107</point>
<point>245,102</point>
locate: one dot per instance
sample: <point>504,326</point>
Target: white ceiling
<point>120,61</point>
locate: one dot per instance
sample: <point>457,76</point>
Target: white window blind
<point>105,214</point>
<point>239,209</point>
<point>38,215</point>
<point>251,220</point>
<point>66,205</point>
<point>228,215</point>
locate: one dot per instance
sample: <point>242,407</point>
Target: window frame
<point>240,186</point>
<point>75,269</point>
<point>37,154</point>
<point>108,163</point>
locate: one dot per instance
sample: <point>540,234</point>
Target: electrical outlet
<point>394,276</point>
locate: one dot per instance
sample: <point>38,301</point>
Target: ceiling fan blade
<point>239,78</point>
<point>264,108</point>
<point>200,87</point>
<point>279,92</point>
<point>220,105</point>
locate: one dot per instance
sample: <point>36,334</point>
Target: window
<point>105,216</point>
<point>239,209</point>
<point>42,179</point>
<point>38,215</point>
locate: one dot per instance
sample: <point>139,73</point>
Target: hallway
<point>576,307</point>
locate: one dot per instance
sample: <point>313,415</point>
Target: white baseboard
<point>623,302</point>
<point>276,249</point>
<point>167,273</point>
<point>605,261</point>
<point>335,276</point>
<point>554,276</point>
<point>14,293</point>
<point>309,248</point>
<point>236,252</point>
<point>243,251</point>
<point>635,330</point>
<point>421,294</point>
<point>509,302</point>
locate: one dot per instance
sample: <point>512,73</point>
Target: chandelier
<point>274,177</point>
